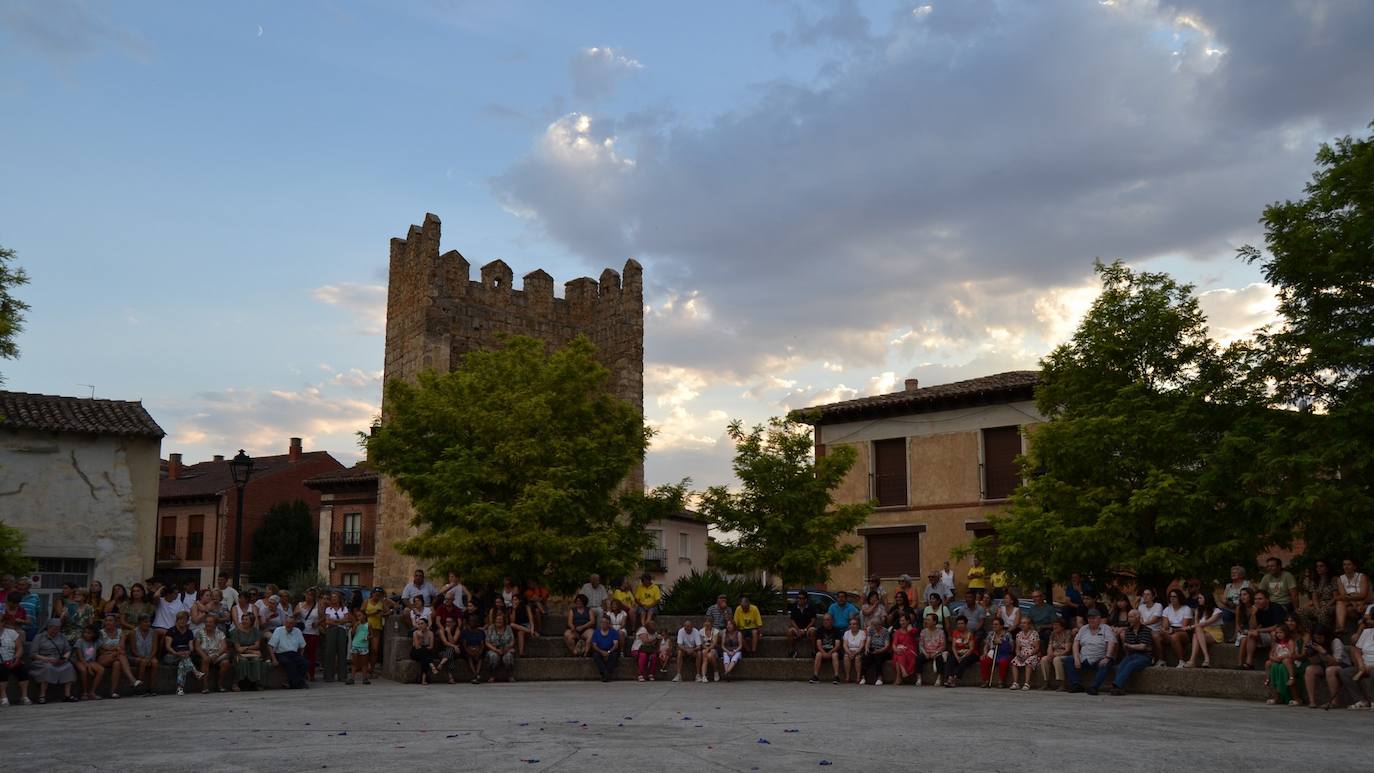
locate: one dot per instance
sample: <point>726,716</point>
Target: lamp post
<point>240,468</point>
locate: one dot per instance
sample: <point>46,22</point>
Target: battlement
<point>436,312</point>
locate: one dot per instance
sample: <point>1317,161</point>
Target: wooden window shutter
<point>892,555</point>
<point>1001,446</point>
<point>889,472</point>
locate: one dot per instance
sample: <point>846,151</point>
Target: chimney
<point>293,454</point>
<point>912,385</point>
<point>173,466</point>
<point>371,433</point>
<point>219,457</point>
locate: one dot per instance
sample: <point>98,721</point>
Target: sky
<point>827,197</point>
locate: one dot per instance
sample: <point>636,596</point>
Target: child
<point>1280,668</point>
<point>358,646</point>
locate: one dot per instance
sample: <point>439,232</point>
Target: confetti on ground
<point>522,724</point>
<point>345,732</point>
<point>825,762</point>
<point>530,760</point>
<point>620,724</point>
<point>455,735</point>
<point>633,717</point>
<point>763,740</point>
<point>792,730</point>
<point>686,719</point>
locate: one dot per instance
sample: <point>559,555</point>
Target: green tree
<point>11,308</point>
<point>13,559</point>
<point>514,464</point>
<point>1318,473</point>
<point>1133,472</point>
<point>284,543</point>
<point>784,516</point>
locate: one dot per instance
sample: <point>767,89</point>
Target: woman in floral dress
<point>1027,653</point>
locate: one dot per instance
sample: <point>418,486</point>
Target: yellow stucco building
<point>936,461</point>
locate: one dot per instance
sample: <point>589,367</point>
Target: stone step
<point>773,625</point>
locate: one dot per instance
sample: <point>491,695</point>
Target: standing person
<point>645,648</point>
<point>841,610</point>
<point>827,648</point>
<point>1057,650</point>
<point>30,603</point>
<point>212,647</point>
<point>1027,656</point>
<point>473,641</point>
<point>997,651</point>
<point>137,606</point>
<point>419,586</point>
<point>1280,585</point>
<point>77,615</point>
<point>285,647</point>
<point>731,648</point>
<point>87,657</point>
<point>905,588</point>
<point>689,646</point>
<point>710,644</point>
<point>141,647</point>
<point>453,590</point>
<point>1321,597</point>
<point>111,655</point>
<point>51,661</point>
<point>422,649</point>
<point>359,639</point>
<point>245,643</point>
<point>1178,626</point>
<point>1074,591</point>
<point>801,622</point>
<point>500,649</point>
<point>1206,631</point>
<point>595,594</point>
<point>308,616</point>
<point>933,648</point>
<point>1152,617</point>
<point>227,591</point>
<point>606,650</point>
<point>1041,614</point>
<point>947,578</point>
<point>178,650</point>
<point>855,645</point>
<point>976,577</point>
<point>581,621</point>
<point>334,636</point>
<point>12,659</point>
<point>749,621</point>
<point>522,622</point>
<point>1352,594</point>
<point>377,607</point>
<point>877,651</point>
<point>903,650</point>
<point>647,596</point>
<point>1093,647</point>
<point>720,612</point>
<point>1137,643</point>
<point>973,614</point>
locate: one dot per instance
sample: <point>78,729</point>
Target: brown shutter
<point>889,472</point>
<point>1001,446</point>
<point>892,555</point>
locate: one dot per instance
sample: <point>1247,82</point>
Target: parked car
<point>818,598</point>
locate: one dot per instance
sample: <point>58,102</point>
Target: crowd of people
<point>1303,635</point>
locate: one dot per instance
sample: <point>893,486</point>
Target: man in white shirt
<point>1093,646</point>
<point>936,585</point>
<point>455,590</point>
<point>285,647</point>
<point>947,577</point>
<point>227,591</point>
<point>168,607</point>
<point>1356,678</point>
<point>689,644</point>
<point>419,586</point>
<point>596,594</point>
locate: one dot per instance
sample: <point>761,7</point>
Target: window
<point>167,538</point>
<point>889,472</point>
<point>195,537</point>
<point>1001,446</point>
<point>656,537</point>
<point>893,552</point>
<point>349,578</point>
<point>684,545</point>
<point>353,528</point>
<point>52,573</point>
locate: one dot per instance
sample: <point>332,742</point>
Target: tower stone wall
<point>436,312</point>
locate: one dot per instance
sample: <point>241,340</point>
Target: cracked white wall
<point>83,496</point>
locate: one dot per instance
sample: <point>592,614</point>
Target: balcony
<point>170,551</point>
<point>351,544</point>
<point>656,559</point>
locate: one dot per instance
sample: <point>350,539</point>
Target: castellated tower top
<point>436,312</point>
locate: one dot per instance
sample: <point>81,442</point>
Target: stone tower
<point>435,313</point>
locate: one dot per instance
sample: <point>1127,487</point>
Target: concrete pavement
<point>628,726</point>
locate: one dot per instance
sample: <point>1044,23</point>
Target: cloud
<point>365,303</point>
<point>67,31</point>
<point>596,72</point>
<point>1236,314</point>
<point>951,177</point>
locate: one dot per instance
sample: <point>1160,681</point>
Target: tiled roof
<point>358,474</point>
<point>210,478</point>
<point>1001,387</point>
<point>52,413</point>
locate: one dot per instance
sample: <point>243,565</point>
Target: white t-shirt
<point>686,639</point>
<point>854,640</point>
<point>9,640</point>
<point>230,596</point>
<point>459,594</point>
<point>166,614</point>
<point>1365,644</point>
<point>1351,585</point>
<point>310,619</point>
<point>1178,617</point>
<point>1151,612</point>
<point>617,620</point>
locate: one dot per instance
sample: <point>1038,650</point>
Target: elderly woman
<point>51,662</point>
<point>500,649</point>
<point>111,655</point>
<point>245,644</point>
<point>141,648</point>
<point>76,615</point>
<point>212,647</point>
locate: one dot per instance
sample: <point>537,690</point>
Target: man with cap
<point>1093,646</point>
<point>801,624</point>
<point>720,612</point>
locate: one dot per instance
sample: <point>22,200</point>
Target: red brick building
<point>347,524</point>
<point>197,505</point>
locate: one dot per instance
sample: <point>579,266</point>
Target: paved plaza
<point>626,726</point>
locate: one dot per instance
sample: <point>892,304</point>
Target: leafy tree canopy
<point>11,308</point>
<point>514,464</point>
<point>283,544</point>
<point>13,559</point>
<point>783,514</point>
<point>1133,473</point>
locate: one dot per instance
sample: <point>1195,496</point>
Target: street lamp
<point>240,469</point>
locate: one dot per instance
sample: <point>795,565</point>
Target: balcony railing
<point>170,549</point>
<point>656,559</point>
<point>351,544</point>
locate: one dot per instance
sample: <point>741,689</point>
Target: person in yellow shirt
<point>647,596</point>
<point>625,595</point>
<point>749,621</point>
<point>977,575</point>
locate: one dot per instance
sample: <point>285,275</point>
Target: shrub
<point>693,593</point>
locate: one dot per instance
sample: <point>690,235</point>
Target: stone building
<point>197,504</point>
<point>347,524</point>
<point>936,461</point>
<point>436,313</point>
<point>79,478</point>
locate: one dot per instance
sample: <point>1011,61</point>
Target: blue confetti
<point>620,724</point>
<point>686,719</point>
<point>825,762</point>
<point>792,730</point>
<point>524,724</point>
<point>531,760</point>
<point>344,733</point>
<point>763,740</point>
